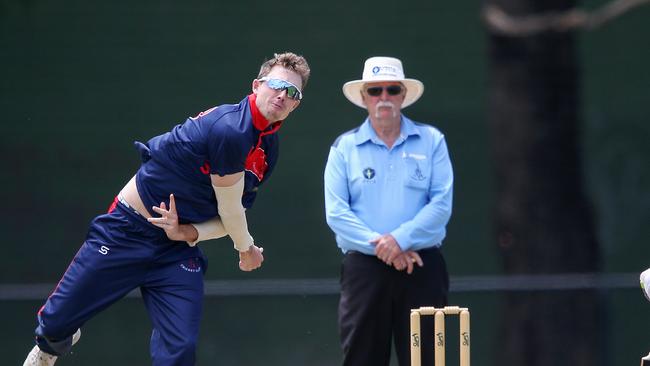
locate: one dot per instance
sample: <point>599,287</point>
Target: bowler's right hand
<point>251,259</point>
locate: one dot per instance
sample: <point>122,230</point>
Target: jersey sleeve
<point>227,149</point>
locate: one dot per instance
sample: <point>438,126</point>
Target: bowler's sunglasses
<point>375,91</point>
<point>293,91</point>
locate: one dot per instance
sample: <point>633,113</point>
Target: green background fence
<point>81,80</point>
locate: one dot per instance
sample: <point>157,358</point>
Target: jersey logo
<point>256,163</point>
<point>417,175</point>
<point>369,173</point>
<point>203,113</point>
<point>205,168</point>
<point>104,249</point>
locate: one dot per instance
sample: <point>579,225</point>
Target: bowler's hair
<point>289,61</point>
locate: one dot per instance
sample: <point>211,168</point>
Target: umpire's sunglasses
<point>375,91</point>
<point>293,91</point>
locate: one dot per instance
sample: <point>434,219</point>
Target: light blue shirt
<point>371,190</point>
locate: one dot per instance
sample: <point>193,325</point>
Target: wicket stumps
<point>439,333</point>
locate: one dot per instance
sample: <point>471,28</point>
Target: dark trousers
<point>375,305</point>
<point>123,252</point>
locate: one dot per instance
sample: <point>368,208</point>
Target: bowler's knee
<point>57,345</point>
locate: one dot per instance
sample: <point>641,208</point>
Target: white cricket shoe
<point>41,358</point>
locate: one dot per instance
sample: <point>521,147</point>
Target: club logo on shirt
<point>256,163</point>
<point>415,159</point>
<point>369,173</point>
<point>205,168</point>
<point>417,175</point>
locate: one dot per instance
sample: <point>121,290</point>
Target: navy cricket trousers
<point>122,252</point>
<point>376,302</point>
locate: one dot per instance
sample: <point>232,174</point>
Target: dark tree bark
<point>544,222</point>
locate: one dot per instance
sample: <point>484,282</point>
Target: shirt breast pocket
<point>417,174</point>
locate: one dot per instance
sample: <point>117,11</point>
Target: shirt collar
<point>367,133</point>
<point>259,121</point>
<point>408,127</point>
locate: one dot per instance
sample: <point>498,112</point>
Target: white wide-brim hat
<point>379,69</point>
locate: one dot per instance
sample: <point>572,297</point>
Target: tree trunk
<point>544,222</point>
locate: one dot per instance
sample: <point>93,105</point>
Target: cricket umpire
<point>388,198</point>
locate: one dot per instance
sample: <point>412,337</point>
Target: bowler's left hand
<point>168,221</point>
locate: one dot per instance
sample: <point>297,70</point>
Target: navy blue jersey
<point>223,140</point>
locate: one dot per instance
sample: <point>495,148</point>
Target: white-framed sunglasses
<point>293,91</point>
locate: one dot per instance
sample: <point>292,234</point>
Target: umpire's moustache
<point>386,104</point>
